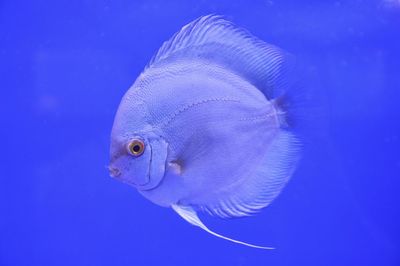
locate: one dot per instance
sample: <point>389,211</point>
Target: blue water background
<point>64,66</point>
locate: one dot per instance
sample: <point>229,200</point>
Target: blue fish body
<point>202,129</point>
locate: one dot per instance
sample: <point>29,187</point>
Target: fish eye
<point>136,147</point>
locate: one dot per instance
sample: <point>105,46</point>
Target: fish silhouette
<point>204,127</point>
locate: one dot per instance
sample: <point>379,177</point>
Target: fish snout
<point>114,171</point>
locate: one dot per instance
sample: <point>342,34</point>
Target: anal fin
<point>190,215</point>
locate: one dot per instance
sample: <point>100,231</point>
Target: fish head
<point>138,160</point>
<point>137,154</point>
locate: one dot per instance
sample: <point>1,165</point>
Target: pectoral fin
<point>190,215</point>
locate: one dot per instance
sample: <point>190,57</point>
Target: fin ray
<point>262,186</point>
<point>216,40</point>
<point>190,215</point>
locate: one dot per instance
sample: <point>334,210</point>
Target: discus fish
<point>203,127</point>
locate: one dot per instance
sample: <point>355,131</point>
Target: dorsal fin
<point>219,41</point>
<point>190,215</point>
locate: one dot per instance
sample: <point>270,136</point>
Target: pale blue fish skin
<point>205,107</point>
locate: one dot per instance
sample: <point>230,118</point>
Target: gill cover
<point>157,149</point>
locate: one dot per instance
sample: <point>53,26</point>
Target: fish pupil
<point>136,148</point>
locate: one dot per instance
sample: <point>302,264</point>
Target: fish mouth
<point>114,172</point>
